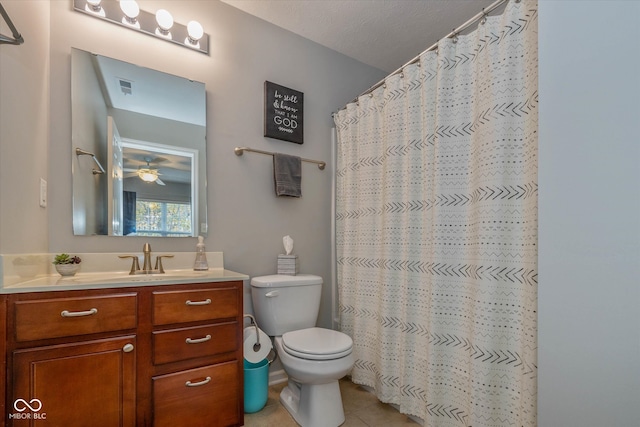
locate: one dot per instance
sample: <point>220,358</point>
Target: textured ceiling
<point>385,34</point>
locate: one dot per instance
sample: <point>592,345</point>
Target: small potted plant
<point>66,264</point>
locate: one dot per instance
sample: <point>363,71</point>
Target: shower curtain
<point>436,229</point>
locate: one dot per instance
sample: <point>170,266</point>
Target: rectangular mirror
<point>139,150</point>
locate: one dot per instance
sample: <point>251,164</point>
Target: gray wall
<point>589,231</point>
<point>24,129</point>
<point>246,220</point>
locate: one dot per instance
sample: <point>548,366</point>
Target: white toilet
<point>286,307</point>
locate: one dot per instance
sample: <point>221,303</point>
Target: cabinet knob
<point>128,348</point>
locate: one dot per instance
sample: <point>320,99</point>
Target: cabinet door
<point>83,384</point>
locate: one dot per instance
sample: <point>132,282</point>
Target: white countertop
<point>38,274</point>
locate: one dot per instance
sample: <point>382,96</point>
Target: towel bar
<point>81,152</point>
<point>240,150</point>
<point>17,38</point>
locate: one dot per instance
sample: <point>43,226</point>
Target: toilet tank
<point>283,303</point>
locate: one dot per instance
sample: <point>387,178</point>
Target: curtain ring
<point>454,39</point>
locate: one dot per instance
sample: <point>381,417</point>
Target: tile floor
<point>361,409</point>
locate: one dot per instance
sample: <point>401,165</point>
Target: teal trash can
<point>256,385</point>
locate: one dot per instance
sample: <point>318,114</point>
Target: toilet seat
<point>317,344</point>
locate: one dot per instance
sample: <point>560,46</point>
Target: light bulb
<point>165,22</point>
<point>93,6</point>
<point>131,11</point>
<point>195,31</point>
<point>164,19</point>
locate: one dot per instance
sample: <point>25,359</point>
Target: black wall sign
<point>283,113</point>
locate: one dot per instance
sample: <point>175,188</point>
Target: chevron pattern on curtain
<point>436,220</point>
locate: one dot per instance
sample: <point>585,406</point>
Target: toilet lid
<point>317,344</point>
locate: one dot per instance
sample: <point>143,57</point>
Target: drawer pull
<point>205,302</point>
<point>198,340</point>
<point>67,313</point>
<point>199,383</point>
<point>128,348</point>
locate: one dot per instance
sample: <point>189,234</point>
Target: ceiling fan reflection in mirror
<point>147,173</point>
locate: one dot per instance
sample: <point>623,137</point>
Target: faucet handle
<point>159,262</point>
<point>135,265</point>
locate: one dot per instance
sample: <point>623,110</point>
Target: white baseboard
<point>277,377</point>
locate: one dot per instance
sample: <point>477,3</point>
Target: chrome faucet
<point>146,263</point>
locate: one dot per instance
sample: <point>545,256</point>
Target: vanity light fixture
<point>127,13</point>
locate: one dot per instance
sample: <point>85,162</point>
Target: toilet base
<point>314,405</point>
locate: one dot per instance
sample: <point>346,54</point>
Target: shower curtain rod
<point>485,12</point>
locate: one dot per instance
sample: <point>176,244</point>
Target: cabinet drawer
<point>207,396</point>
<point>191,306</point>
<point>60,317</point>
<point>189,343</point>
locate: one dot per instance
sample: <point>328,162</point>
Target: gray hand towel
<point>287,173</point>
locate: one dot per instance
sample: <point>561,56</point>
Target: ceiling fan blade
<point>159,182</point>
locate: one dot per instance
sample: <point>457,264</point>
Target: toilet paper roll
<point>249,339</point>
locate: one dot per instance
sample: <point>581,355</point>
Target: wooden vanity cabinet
<point>197,356</point>
<point>147,356</point>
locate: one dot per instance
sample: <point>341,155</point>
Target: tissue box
<point>288,264</point>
